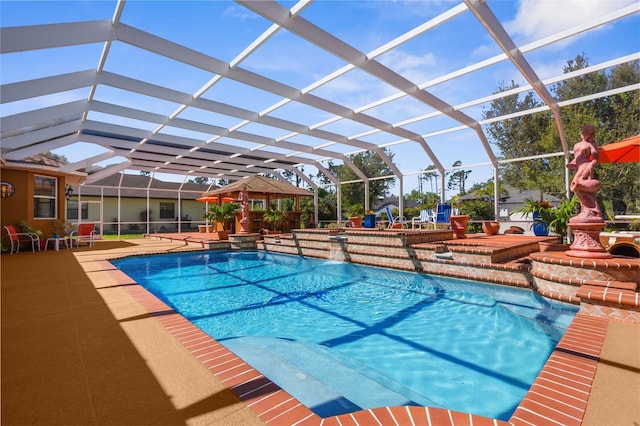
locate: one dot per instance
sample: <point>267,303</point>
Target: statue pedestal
<point>244,225</point>
<point>586,241</point>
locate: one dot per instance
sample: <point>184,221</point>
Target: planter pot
<point>547,246</point>
<point>459,225</point>
<point>355,222</point>
<point>223,235</point>
<point>490,227</point>
<point>369,221</point>
<point>539,229</point>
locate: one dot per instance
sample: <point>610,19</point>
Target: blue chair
<point>395,220</point>
<point>442,215</point>
<point>426,217</point>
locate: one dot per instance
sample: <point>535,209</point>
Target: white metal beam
<point>45,86</point>
<point>276,13</point>
<point>44,117</point>
<point>20,39</point>
<point>108,171</point>
<point>495,29</point>
<point>88,162</point>
<point>37,136</point>
<point>39,148</point>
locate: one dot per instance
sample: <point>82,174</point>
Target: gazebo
<point>263,188</point>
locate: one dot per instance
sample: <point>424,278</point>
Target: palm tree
<point>275,217</point>
<point>223,214</point>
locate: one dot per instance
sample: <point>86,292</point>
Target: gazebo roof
<point>261,187</point>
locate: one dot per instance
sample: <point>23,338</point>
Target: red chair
<point>16,238</point>
<point>85,232</point>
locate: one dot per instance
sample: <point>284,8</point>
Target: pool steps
<point>300,378</point>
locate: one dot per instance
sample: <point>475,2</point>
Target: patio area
<point>83,344</point>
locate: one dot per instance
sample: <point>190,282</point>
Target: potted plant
<point>61,228</point>
<point>222,215</point>
<point>541,213</point>
<point>369,220</point>
<point>560,216</point>
<point>275,217</point>
<point>24,227</point>
<point>355,213</point>
<point>548,218</point>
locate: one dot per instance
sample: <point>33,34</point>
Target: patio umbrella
<point>624,151</point>
<point>214,199</point>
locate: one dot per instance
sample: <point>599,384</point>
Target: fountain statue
<point>244,208</point>
<point>587,225</point>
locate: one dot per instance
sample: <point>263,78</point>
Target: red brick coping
<point>558,395</point>
<point>603,291</point>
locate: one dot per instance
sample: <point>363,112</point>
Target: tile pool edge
<point>560,391</point>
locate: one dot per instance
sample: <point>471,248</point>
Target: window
<point>72,210</point>
<point>44,197</point>
<point>167,210</point>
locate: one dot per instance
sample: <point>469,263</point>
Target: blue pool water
<point>342,337</point>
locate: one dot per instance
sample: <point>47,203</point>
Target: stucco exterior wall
<point>20,206</point>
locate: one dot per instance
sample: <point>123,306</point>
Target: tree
<point>200,179</point>
<point>458,178</point>
<point>430,174</point>
<point>371,165</point>
<point>292,177</point>
<point>482,207</point>
<point>615,117</point>
<point>525,136</point>
<point>425,199</point>
<point>223,214</point>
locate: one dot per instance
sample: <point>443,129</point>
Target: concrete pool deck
<point>80,346</point>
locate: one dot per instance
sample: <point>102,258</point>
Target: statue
<point>587,225</point>
<point>584,183</point>
<point>244,208</point>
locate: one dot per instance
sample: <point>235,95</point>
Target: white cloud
<point>238,12</point>
<point>416,68</point>
<point>403,62</point>
<point>540,18</point>
<point>484,51</point>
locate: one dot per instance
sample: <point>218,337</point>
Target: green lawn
<point>122,236</point>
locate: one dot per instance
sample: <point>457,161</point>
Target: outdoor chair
<point>16,238</point>
<point>398,220</point>
<point>426,217</point>
<point>442,215</point>
<point>85,232</point>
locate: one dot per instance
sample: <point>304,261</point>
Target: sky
<point>223,29</point>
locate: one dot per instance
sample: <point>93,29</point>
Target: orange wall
<point>19,207</point>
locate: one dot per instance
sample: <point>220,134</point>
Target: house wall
<point>19,207</point>
<point>133,216</point>
<point>16,208</point>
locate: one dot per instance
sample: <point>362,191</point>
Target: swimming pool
<point>342,337</point>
